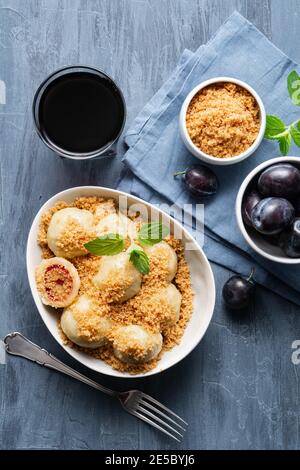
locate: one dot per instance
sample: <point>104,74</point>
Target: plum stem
<point>250,277</point>
<point>178,173</point>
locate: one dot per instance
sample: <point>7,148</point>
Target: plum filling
<point>58,282</point>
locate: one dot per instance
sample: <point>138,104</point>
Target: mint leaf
<point>150,234</point>
<point>140,260</point>
<point>296,135</point>
<point>285,143</point>
<point>106,245</point>
<point>293,84</point>
<point>274,127</point>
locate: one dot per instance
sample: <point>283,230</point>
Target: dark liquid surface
<point>81,112</point>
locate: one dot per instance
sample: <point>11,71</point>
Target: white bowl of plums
<point>268,209</point>
<point>123,287</point>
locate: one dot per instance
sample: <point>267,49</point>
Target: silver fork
<point>135,402</point>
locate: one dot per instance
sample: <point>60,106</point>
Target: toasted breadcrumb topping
<point>74,237</point>
<point>223,120</point>
<point>105,208</point>
<point>88,322</point>
<point>134,348</point>
<point>44,224</point>
<point>140,310</point>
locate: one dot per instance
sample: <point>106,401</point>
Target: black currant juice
<point>80,113</point>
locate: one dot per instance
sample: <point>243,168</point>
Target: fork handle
<point>18,345</point>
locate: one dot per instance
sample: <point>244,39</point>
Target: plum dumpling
<point>166,256</point>
<point>116,222</point>
<point>69,230</point>
<point>165,303</point>
<point>133,344</point>
<point>118,277</point>
<point>57,281</point>
<point>86,323</point>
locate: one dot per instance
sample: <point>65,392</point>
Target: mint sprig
<point>140,260</point>
<point>150,234</point>
<point>113,244</point>
<point>106,245</point>
<point>276,129</point>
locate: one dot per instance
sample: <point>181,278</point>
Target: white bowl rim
<point>35,295</point>
<point>238,208</point>
<point>209,158</point>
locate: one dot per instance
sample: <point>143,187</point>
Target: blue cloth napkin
<point>156,150</point>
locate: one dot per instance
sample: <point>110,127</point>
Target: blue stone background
<point>239,388</point>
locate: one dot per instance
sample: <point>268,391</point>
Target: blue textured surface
<point>239,388</point>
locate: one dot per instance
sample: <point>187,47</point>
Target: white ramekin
<point>252,237</point>
<point>204,156</point>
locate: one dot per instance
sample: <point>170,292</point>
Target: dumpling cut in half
<point>69,230</point>
<point>85,323</point>
<point>117,223</point>
<point>118,277</point>
<point>57,281</point>
<point>134,345</point>
<point>167,256</point>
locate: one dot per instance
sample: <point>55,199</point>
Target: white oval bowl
<point>209,158</point>
<point>201,276</point>
<point>252,237</point>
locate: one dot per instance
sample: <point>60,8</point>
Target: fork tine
<point>158,411</point>
<point>147,397</point>
<point>152,415</point>
<point>152,423</point>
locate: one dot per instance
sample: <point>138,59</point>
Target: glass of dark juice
<point>79,113</point>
